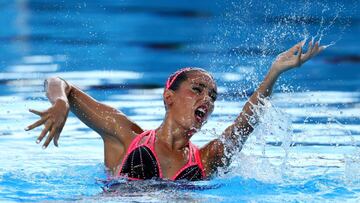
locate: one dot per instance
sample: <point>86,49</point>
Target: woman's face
<point>194,100</point>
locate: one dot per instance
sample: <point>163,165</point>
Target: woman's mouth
<point>201,113</point>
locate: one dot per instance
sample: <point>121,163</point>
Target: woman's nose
<point>208,100</point>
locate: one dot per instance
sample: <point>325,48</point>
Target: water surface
<point>305,149</point>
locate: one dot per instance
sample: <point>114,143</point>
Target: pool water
<point>305,149</point>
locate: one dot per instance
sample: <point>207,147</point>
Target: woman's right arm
<point>105,120</point>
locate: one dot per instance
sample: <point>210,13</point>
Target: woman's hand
<point>294,57</point>
<point>53,119</point>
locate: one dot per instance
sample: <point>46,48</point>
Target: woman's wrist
<point>66,85</point>
<point>276,70</point>
<point>63,103</point>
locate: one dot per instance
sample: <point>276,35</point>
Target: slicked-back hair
<point>180,76</point>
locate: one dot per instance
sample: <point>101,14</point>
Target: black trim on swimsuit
<point>192,173</point>
<point>141,164</point>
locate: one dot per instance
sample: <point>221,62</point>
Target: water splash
<point>352,168</point>
<point>270,123</point>
<point>256,46</point>
<point>238,44</point>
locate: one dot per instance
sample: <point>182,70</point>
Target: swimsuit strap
<point>193,160</point>
<point>151,139</point>
<point>198,159</point>
<point>136,140</point>
<point>150,142</point>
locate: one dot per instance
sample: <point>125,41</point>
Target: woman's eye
<point>213,96</point>
<point>197,89</point>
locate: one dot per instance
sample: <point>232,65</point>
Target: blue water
<point>306,148</point>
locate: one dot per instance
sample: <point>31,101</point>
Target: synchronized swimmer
<point>165,152</point>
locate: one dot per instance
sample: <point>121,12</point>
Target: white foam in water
<point>273,123</point>
<point>352,167</point>
<point>276,125</point>
<point>255,167</point>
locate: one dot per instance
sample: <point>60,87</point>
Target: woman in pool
<point>165,152</point>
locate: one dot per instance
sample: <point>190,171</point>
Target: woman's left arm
<point>237,133</point>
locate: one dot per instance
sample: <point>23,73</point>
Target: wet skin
<point>198,91</point>
<point>188,108</point>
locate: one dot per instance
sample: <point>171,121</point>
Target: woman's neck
<point>173,135</point>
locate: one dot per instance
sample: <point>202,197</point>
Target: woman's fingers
<point>43,133</point>
<point>315,50</point>
<point>298,57</point>
<point>36,124</point>
<point>56,138</point>
<point>57,134</point>
<point>312,52</point>
<point>295,48</point>
<point>321,48</point>
<point>308,53</point>
<point>54,135</point>
<point>49,138</point>
<point>39,113</point>
<point>294,57</point>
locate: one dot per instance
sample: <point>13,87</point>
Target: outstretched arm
<point>237,133</point>
<point>110,123</point>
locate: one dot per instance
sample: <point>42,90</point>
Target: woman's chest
<point>171,163</point>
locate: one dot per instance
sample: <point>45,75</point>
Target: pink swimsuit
<point>141,161</point>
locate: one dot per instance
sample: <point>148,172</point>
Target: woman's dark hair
<point>175,79</point>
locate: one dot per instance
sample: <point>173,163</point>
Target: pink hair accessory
<point>177,73</point>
